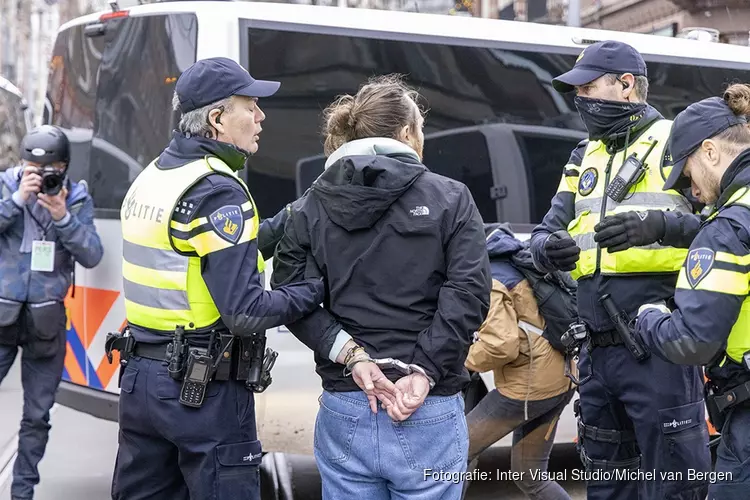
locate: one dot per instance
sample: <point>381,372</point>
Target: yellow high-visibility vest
<point>162,280</point>
<point>733,282</point>
<point>596,171</point>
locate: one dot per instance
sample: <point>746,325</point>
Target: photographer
<point>46,225</point>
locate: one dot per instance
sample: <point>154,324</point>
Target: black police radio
<point>630,173</point>
<point>197,374</point>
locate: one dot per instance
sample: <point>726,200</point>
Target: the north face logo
<point>419,210</point>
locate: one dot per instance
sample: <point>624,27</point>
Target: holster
<point>718,403</point>
<point>715,416</point>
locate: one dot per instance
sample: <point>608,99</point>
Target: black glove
<point>561,250</point>
<point>630,229</point>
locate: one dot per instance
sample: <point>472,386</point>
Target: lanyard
<point>44,229</point>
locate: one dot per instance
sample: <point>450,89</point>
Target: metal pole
<point>574,13</point>
<point>485,6</point>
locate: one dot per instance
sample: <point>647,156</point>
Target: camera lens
<point>52,183</point>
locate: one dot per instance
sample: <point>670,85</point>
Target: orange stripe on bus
<point>106,371</point>
<point>88,310</point>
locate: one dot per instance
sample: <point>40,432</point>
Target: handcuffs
<point>406,369</point>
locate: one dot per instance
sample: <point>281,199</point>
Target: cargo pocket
<point>685,447</point>
<point>45,329</point>
<point>237,471</point>
<point>9,330</point>
<point>127,382</point>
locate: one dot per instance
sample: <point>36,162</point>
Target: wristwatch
<point>403,368</point>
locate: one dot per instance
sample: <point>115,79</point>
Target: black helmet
<point>45,144</point>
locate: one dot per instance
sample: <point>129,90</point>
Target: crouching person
<point>46,226</point>
<point>532,389</point>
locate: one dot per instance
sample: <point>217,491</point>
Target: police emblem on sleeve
<point>698,264</point>
<point>588,180</point>
<point>228,222</point>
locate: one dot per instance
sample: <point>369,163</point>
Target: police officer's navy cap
<point>599,59</point>
<point>698,122</point>
<point>216,78</point>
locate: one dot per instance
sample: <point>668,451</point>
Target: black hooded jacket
<point>402,251</point>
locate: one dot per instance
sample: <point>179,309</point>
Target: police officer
<point>46,226</point>
<point>191,261</point>
<point>618,233</point>
<point>710,142</point>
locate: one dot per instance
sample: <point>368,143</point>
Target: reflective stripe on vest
<point>162,285</point>
<point>736,282</point>
<point>590,199</point>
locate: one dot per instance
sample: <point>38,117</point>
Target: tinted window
<point>71,93</point>
<point>12,128</point>
<point>543,156</point>
<point>133,114</point>
<point>464,156</point>
<point>463,86</point>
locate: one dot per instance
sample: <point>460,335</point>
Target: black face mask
<point>609,119</point>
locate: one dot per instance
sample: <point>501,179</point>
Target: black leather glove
<point>561,250</point>
<point>630,229</point>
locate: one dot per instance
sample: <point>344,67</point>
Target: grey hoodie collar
<point>371,146</point>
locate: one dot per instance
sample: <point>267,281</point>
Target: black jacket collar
<point>184,149</point>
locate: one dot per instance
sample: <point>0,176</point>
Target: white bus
<point>494,123</point>
<point>15,121</point>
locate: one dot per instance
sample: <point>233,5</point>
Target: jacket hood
<point>183,149</point>
<point>76,190</point>
<point>363,178</point>
<point>736,176</point>
<point>501,242</point>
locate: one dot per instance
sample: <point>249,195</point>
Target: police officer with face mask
<point>624,239</point>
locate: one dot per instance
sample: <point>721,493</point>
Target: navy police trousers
<point>731,478</point>
<point>645,434</point>
<point>169,450</point>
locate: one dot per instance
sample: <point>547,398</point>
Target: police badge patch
<point>698,264</point>
<point>588,180</point>
<point>228,222</point>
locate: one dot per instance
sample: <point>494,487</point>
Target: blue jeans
<point>40,378</point>
<point>362,455</point>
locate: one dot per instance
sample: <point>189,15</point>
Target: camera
<point>52,180</point>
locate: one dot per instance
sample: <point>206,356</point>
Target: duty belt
<point>733,397</point>
<point>157,352</point>
<point>605,339</point>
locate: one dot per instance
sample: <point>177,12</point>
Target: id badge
<point>43,256</point>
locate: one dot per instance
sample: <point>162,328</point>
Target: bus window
<point>544,158</point>
<point>308,169</point>
<point>133,120</point>
<point>465,157</point>
<point>13,124</point>
<point>71,92</point>
<point>463,86</point>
